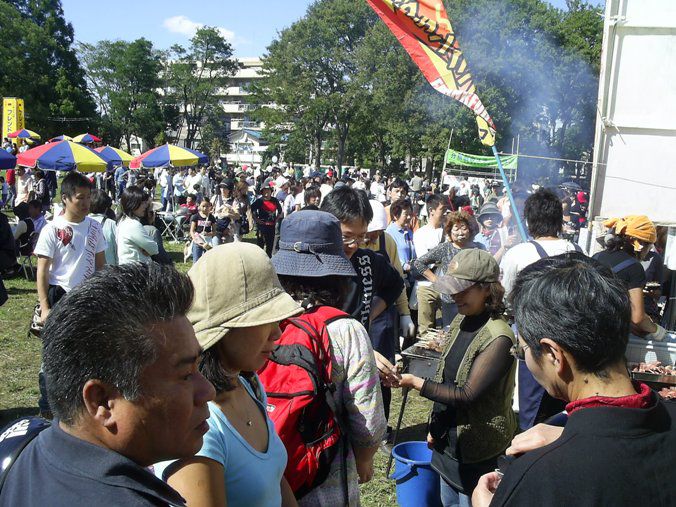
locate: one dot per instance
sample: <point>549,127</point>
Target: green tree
<point>195,75</point>
<point>124,79</point>
<point>39,64</point>
<point>310,75</point>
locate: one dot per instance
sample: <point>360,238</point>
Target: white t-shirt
<point>424,239</point>
<point>72,248</point>
<point>378,191</point>
<point>524,255</point>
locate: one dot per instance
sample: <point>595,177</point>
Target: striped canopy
<point>24,134</point>
<point>7,160</point>
<point>62,137</point>
<point>114,156</point>
<point>169,154</point>
<point>63,156</point>
<point>87,138</point>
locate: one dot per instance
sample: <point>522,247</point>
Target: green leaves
<point>194,76</point>
<point>39,64</point>
<point>124,78</point>
<point>343,84</point>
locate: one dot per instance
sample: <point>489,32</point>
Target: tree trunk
<point>318,151</point>
<point>342,138</point>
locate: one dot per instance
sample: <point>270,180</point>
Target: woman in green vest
<point>472,422</point>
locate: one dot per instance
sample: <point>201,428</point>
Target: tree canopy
<point>342,83</point>
<point>39,64</point>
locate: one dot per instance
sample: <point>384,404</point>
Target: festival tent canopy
<point>114,156</point>
<point>169,154</point>
<point>7,160</point>
<point>63,156</point>
<point>24,134</point>
<point>62,137</point>
<point>87,138</point>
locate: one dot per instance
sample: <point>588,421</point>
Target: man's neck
<point>70,217</point>
<point>435,224</point>
<point>615,384</point>
<point>547,238</point>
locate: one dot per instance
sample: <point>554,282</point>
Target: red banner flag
<point>423,28</point>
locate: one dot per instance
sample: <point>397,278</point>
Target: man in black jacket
<point>617,446</point>
<point>377,284</point>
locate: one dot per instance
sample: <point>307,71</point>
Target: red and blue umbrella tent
<point>169,154</point>
<point>114,156</point>
<point>87,138</point>
<point>7,160</point>
<point>24,134</point>
<point>63,156</point>
<point>62,137</point>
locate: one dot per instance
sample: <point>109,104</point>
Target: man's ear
<point>99,399</point>
<point>558,357</point>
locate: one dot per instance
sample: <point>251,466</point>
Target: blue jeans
<point>450,497</point>
<point>198,251</point>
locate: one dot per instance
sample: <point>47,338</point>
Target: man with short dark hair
<point>377,284</point>
<point>124,385</point>
<point>617,445</point>
<point>544,217</point>
<point>424,240</point>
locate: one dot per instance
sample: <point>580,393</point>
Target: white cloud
<point>186,26</point>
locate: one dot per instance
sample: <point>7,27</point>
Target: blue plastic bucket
<point>417,483</point>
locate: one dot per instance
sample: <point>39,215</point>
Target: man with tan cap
<point>238,305</point>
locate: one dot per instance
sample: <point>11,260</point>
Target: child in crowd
<point>203,230</point>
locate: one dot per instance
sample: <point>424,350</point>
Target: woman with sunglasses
<point>472,422</point>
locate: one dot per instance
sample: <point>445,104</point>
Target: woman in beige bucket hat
<point>235,314</point>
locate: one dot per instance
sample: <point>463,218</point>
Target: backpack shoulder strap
<point>538,247</point>
<point>623,265</point>
<point>382,245</point>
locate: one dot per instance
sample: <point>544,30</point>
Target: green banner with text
<point>465,159</point>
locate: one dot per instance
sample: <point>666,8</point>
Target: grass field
<point>20,362</point>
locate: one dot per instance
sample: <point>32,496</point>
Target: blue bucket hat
<point>311,244</point>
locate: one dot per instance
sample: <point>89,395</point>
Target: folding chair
<point>168,221</point>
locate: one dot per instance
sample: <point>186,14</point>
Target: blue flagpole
<point>515,212</point>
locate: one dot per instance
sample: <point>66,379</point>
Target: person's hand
<point>44,311</point>
<point>406,326</point>
<point>365,471</point>
<point>430,441</point>
<point>387,371</point>
<point>485,489</point>
<point>534,438</point>
<point>411,381</point>
<point>511,241</point>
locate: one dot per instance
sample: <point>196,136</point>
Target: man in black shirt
<point>377,284</point>
<point>266,212</point>
<point>617,445</point>
<point>125,389</point>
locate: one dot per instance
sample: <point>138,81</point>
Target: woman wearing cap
<point>460,228</point>
<point>311,244</point>
<point>237,308</point>
<point>490,235</point>
<point>627,243</point>
<point>472,422</point>
<point>133,241</point>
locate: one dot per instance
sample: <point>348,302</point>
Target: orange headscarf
<point>638,227</point>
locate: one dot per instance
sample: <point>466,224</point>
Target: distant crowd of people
<point>264,376</point>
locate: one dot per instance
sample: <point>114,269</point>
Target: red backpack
<point>297,381</point>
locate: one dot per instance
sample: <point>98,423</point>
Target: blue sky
<point>250,24</point>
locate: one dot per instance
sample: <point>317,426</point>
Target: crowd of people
<point>264,376</point>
